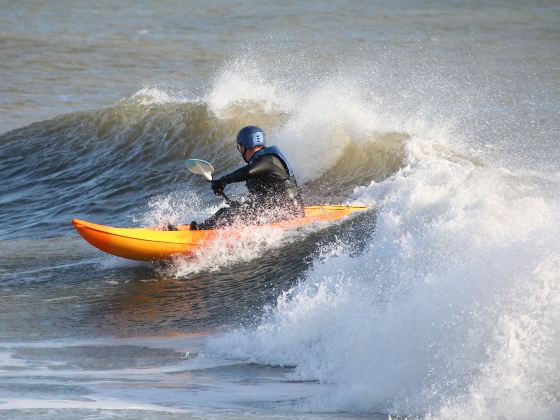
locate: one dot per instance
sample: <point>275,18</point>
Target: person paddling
<point>273,191</point>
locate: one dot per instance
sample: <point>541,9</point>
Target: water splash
<point>452,311</point>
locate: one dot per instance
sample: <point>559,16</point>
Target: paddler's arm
<point>239,175</point>
<point>258,166</point>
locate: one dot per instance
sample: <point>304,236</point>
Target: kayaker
<point>273,191</point>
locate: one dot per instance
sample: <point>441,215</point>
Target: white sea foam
<point>452,311</point>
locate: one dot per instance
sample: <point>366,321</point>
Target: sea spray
<point>462,257</point>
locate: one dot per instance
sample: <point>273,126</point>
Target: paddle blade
<point>200,167</point>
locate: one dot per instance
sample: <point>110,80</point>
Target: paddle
<point>201,167</point>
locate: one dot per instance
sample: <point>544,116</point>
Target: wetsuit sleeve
<point>239,175</point>
<point>258,167</point>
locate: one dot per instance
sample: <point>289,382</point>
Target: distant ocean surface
<point>441,302</point>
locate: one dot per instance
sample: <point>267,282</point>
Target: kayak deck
<point>155,244</point>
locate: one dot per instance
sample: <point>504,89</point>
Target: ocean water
<point>441,302</point>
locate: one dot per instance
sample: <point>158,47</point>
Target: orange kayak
<point>155,244</point>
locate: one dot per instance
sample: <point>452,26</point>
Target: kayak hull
<point>152,244</point>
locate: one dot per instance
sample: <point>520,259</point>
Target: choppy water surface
<point>440,302</point>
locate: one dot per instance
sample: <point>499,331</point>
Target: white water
<point>454,310</point>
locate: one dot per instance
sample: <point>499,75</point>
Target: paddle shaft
<point>201,167</point>
<point>224,196</point>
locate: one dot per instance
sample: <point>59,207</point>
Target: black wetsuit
<point>274,193</point>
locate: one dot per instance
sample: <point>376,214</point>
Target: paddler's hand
<point>218,186</point>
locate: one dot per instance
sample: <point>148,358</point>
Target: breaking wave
<point>450,308</point>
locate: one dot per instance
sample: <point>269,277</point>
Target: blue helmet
<point>250,137</point>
